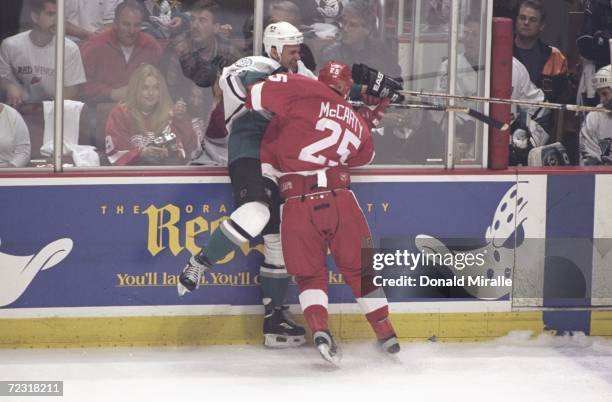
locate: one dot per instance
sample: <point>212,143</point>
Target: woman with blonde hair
<point>147,128</point>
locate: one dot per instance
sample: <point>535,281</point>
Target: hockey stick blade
<point>488,120</point>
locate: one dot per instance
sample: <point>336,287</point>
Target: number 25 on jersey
<point>337,138</point>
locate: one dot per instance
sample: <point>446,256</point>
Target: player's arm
<point>276,93</point>
<point>365,152</point>
<point>234,88</point>
<point>372,117</point>
<point>8,81</point>
<point>14,92</point>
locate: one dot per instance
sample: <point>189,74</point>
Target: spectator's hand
<point>153,155</point>
<point>373,117</point>
<point>14,95</point>
<point>179,109</point>
<point>225,30</point>
<point>219,61</point>
<point>175,23</point>
<point>118,94</point>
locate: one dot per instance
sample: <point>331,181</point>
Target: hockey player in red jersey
<point>313,139</point>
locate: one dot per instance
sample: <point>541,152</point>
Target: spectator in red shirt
<point>111,57</point>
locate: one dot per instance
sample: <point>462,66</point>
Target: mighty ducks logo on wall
<point>503,237</point>
<point>433,267</point>
<point>18,272</point>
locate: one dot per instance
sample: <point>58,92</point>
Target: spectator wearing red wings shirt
<point>312,140</point>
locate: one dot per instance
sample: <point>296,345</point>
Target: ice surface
<point>514,368</point>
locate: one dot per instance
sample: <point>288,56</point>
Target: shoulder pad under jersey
<point>258,64</point>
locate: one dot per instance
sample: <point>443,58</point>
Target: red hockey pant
<point>309,225</point>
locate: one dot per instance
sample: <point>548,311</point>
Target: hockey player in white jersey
<point>529,124</point>
<point>596,132</point>
<point>256,198</point>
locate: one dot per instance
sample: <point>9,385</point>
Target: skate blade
<point>392,357</point>
<point>283,342</point>
<point>325,353</point>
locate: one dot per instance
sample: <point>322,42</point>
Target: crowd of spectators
<point>146,68</point>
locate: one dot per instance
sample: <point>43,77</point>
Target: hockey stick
<point>469,111</point>
<point>417,77</point>
<point>547,105</point>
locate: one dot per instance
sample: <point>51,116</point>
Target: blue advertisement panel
<point>109,243</point>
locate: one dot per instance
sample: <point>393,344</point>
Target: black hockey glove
<point>377,83</point>
<point>602,38</point>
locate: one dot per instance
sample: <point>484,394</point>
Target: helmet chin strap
<point>275,54</point>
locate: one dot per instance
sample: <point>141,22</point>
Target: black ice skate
<point>328,348</point>
<point>190,276</point>
<point>390,345</point>
<point>279,331</point>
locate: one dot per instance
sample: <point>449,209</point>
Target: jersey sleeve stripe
<point>256,96</point>
<point>236,87</point>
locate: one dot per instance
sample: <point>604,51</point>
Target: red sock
<point>380,322</point>
<point>316,317</point>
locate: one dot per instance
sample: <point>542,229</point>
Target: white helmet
<point>280,34</point>
<point>603,78</point>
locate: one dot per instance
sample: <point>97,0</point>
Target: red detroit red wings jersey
<point>312,127</point>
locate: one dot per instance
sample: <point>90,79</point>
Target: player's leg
<point>348,247</point>
<point>278,329</point>
<point>246,222</point>
<point>305,250</point>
